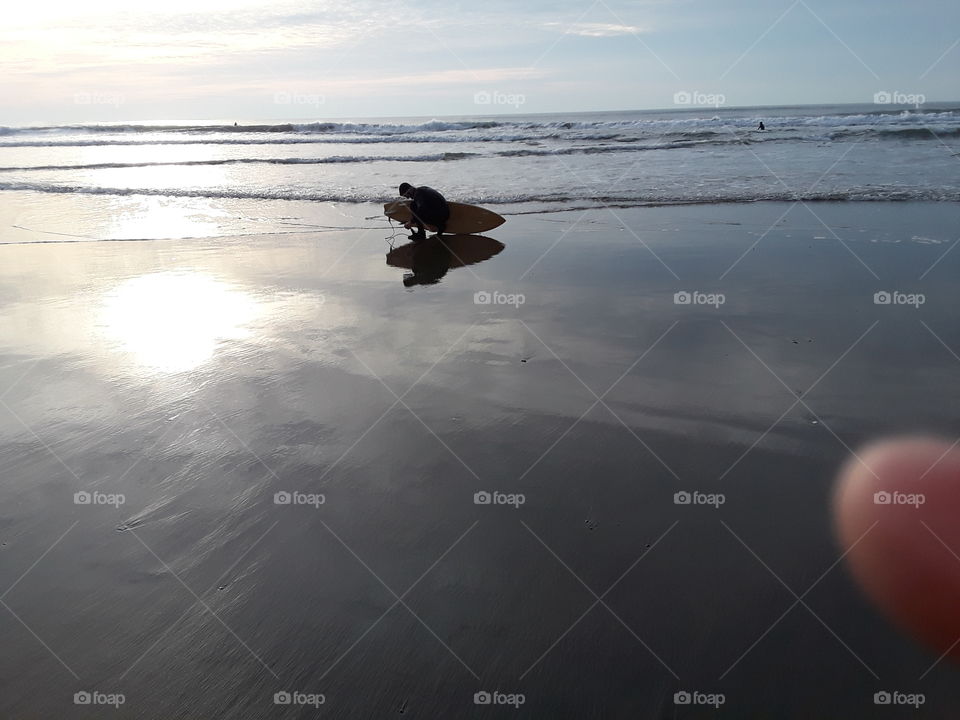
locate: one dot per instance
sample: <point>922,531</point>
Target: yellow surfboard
<point>464,219</point>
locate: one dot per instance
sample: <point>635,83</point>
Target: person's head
<point>406,189</point>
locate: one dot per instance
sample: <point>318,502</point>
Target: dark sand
<point>200,377</point>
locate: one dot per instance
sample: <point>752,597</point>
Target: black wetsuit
<point>430,208</point>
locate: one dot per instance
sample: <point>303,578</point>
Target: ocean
<point>109,181</point>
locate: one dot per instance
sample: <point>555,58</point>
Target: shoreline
<point>328,212</point>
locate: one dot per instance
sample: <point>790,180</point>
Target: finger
<point>897,510</point>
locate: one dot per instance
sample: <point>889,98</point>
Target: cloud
<point>598,29</point>
<point>448,82</point>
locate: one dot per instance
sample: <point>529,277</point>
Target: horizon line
<point>503,115</point>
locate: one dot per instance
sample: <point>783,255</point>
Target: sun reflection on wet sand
<point>173,321</point>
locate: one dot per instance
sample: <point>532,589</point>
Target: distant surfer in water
<point>762,126</point>
<point>428,207</point>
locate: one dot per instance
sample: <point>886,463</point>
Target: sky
<point>244,60</point>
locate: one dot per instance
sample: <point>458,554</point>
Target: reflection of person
<point>428,207</point>
<point>431,261</point>
<point>896,510</point>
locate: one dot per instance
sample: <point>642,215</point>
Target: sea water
<point>157,179</point>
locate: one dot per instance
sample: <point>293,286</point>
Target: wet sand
<point>564,375</point>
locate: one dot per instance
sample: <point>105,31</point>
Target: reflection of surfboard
<point>464,250</point>
<point>464,219</point>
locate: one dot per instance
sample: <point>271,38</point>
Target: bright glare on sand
<point>172,321</point>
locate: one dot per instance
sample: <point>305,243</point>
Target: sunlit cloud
<point>460,78</point>
<point>599,29</point>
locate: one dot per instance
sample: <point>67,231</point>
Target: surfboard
<point>464,219</point>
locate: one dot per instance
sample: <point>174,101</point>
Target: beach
<point>571,480</point>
